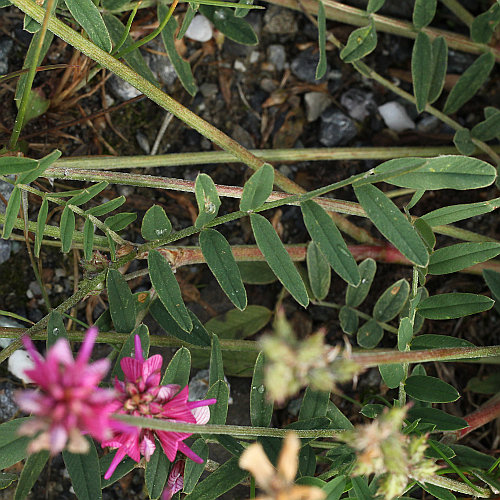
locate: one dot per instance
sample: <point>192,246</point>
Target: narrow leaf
<point>182,67</point>
<point>107,207</point>
<point>121,302</point>
<point>40,226</point>
<point>470,82</point>
<point>392,223</point>
<point>193,470</point>
<point>360,43</point>
<point>67,229</point>
<point>349,320</point>
<point>11,212</point>
<point>453,305</point>
<point>374,6</point>
<point>88,239</point>
<point>261,409</point>
<point>218,411</point>
<point>55,328</point>
<point>216,365</point>
<point>442,420</point>
<point>327,237</point>
<point>455,213</point>
<point>168,290</point>
<point>314,404</point>
<point>278,258</point>
<point>156,473</point>
<point>12,445</point>
<point>16,164</point>
<point>88,193</point>
<point>258,188</point>
<point>430,389</point>
<point>220,260</point>
<point>489,128</point>
<point>392,375</point>
<point>422,54</point>
<point>439,67</point>
<point>370,334</point>
<point>483,26</point>
<point>85,473</point>
<point>318,271</point>
<point>236,324</point>
<point>87,16</point>
<point>31,470</point>
<point>463,141</point>
<point>322,64</point>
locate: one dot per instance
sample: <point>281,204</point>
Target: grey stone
<point>268,85</point>
<point>209,90</point>
<point>428,123</point>
<point>336,128</point>
<point>280,21</point>
<point>276,55</point>
<point>162,68</point>
<point>358,103</point>
<point>304,66</point>
<point>143,142</point>
<point>241,136</point>
<point>6,45</point>
<point>316,103</point>
<point>5,249</point>
<point>5,190</point>
<point>121,89</point>
<point>8,406</point>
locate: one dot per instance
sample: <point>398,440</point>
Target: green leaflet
<point>156,473</point>
<point>392,301</point>
<point>67,228</point>
<point>483,26</point>
<point>422,54</point>
<point>457,257</point>
<point>121,302</point>
<point>235,28</point>
<point>178,369</point>
<point>278,258</point>
<point>182,67</point>
<point>107,207</point>
<point>261,409</point>
<point>442,420</point>
<point>453,305</point>
<point>374,5</point>
<point>40,226</point>
<point>392,375</point>
<point>318,271</point>
<point>87,16</point>
<point>12,445</point>
<point>193,470</point>
<point>455,213</point>
<point>84,471</point>
<point>370,334</point>
<point>463,141</point>
<point>470,82</point>
<point>31,470</point>
<point>489,128</point>
<point>314,404</point>
<point>431,341</point>
<point>43,164</point>
<point>155,224</point>
<point>88,239</point>
<point>55,328</point>
<point>327,237</point>
<point>11,212</point>
<point>423,12</point>
<point>16,165</point>
<point>430,389</point>
<point>220,260</point>
<point>322,64</point>
<point>492,279</point>
<point>258,188</point>
<point>442,172</point>
<point>236,324</point>
<point>360,43</point>
<point>207,199</point>
<point>439,67</point>
<point>88,193</point>
<point>349,320</point>
<point>392,223</point>
<point>128,349</point>
<point>167,288</point>
<point>355,295</point>
<point>218,411</point>
<point>216,364</point>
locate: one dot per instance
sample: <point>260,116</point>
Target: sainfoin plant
<point>315,431</point>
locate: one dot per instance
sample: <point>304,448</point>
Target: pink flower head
<point>141,395</point>
<point>175,481</point>
<point>68,402</point>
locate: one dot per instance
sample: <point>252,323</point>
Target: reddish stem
<point>488,412</point>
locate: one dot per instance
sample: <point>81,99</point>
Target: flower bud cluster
<point>382,449</point>
<point>292,364</point>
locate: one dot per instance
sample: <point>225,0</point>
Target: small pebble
<point>305,64</point>
<point>395,116</point>
<point>358,103</point>
<point>6,46</point>
<point>200,29</point>
<point>316,103</point>
<point>336,128</point>
<point>20,361</point>
<point>280,21</point>
<point>122,89</point>
<point>276,55</point>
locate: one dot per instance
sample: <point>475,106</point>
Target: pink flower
<point>68,402</point>
<point>175,481</point>
<point>142,395</point>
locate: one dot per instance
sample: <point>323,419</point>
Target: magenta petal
<point>152,366</point>
<point>201,414</point>
<point>60,353</point>
<point>87,346</point>
<point>183,448</point>
<point>138,348</point>
<point>119,456</point>
<point>132,369</point>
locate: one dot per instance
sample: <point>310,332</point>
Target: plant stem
<point>23,105</point>
<point>450,484</point>
<point>460,11</point>
<point>269,155</point>
<point>343,13</point>
<point>232,430</point>
<point>486,413</point>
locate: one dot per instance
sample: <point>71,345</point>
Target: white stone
<point>395,116</point>
<point>316,103</point>
<point>239,66</point>
<point>20,361</point>
<point>200,29</point>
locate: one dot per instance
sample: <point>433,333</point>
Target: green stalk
<point>460,11</point>
<point>23,105</point>
<point>268,155</point>
<point>451,484</point>
<point>343,13</point>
